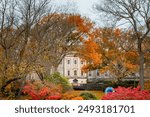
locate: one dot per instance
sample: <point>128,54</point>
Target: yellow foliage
<point>77,98</point>
<point>69,95</point>
<point>147,85</point>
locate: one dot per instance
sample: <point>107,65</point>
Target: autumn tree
<point>16,21</point>
<point>136,14</point>
<point>104,50</point>
<point>55,36</point>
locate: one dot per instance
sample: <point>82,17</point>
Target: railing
<point>123,79</point>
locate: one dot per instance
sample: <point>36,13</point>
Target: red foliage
<point>43,92</point>
<point>31,92</point>
<point>122,93</point>
<point>54,97</point>
<point>37,92</point>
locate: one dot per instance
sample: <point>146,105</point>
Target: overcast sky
<point>84,7</point>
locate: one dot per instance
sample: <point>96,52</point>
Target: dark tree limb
<point>7,83</point>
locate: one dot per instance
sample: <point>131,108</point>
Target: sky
<point>84,7</point>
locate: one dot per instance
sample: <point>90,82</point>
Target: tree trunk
<point>40,75</point>
<point>21,88</point>
<point>141,64</point>
<point>141,70</point>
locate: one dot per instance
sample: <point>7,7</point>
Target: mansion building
<point>71,66</point>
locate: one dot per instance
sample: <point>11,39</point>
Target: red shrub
<point>122,93</point>
<point>54,97</point>
<point>31,92</point>
<point>39,91</point>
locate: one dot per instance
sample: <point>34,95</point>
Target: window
<point>75,61</point>
<point>90,74</point>
<point>97,73</point>
<point>82,73</point>
<point>106,74</point>
<point>68,61</point>
<point>68,73</point>
<point>75,72</point>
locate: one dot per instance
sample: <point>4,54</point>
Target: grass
<point>98,94</point>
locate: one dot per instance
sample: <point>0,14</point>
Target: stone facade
<point>71,67</point>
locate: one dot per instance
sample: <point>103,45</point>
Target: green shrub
<point>125,84</point>
<point>88,96</point>
<point>56,78</point>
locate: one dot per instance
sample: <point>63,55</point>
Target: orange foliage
<point>130,66</point>
<point>85,68</point>
<point>104,50</point>
<point>117,32</point>
<point>77,98</point>
<point>84,25</point>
